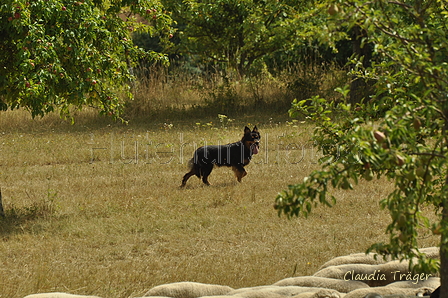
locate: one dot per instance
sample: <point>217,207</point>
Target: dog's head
<point>251,139</point>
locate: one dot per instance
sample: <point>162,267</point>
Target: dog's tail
<point>194,168</point>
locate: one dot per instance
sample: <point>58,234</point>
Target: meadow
<point>95,208</point>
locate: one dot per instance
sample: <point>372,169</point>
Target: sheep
<point>373,295</point>
<point>431,252</point>
<point>322,282</point>
<point>432,282</point>
<point>370,259</point>
<point>188,290</point>
<point>373,275</point>
<point>322,293</point>
<point>281,290</point>
<point>383,291</point>
<point>251,294</point>
<point>58,295</point>
<point>357,258</point>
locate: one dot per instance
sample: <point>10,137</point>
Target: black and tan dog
<point>235,155</point>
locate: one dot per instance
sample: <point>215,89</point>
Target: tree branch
<point>428,154</point>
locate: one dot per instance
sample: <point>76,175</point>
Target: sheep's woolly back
<point>379,275</point>
<point>373,259</point>
<point>58,295</point>
<point>384,291</point>
<point>431,252</point>
<point>258,294</point>
<point>358,258</point>
<point>322,293</point>
<point>188,290</point>
<point>322,282</point>
<point>280,290</point>
<point>249,295</point>
<point>432,282</point>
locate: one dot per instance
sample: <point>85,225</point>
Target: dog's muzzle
<point>255,147</point>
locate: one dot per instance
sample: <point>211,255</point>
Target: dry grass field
<point>95,208</point>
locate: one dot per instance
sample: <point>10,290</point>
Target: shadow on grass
<point>17,220</point>
<point>88,120</point>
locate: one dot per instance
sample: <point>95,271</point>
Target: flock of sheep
<point>352,276</point>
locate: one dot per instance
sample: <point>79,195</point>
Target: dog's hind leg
<point>205,172</point>
<point>195,169</point>
<point>187,176</point>
<point>239,171</point>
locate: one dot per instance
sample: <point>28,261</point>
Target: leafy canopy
<point>239,33</point>
<point>56,53</point>
<point>399,132</point>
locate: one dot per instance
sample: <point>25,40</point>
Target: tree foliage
<point>400,133</point>
<point>238,33</point>
<point>56,53</point>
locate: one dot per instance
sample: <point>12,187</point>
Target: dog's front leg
<point>239,171</point>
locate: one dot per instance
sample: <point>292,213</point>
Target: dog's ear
<point>246,130</point>
<point>255,129</point>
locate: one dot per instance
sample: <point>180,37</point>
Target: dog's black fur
<point>235,155</point>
